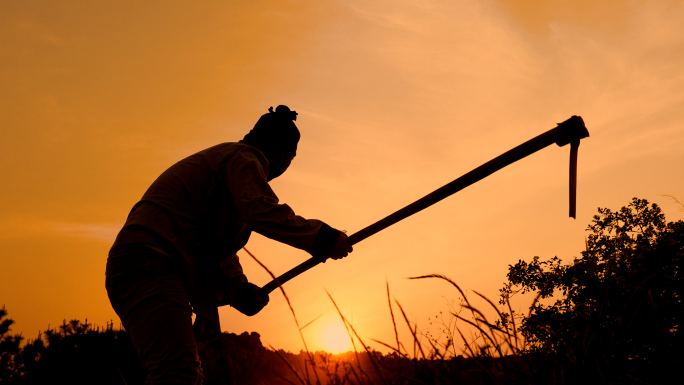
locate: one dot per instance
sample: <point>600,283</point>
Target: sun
<point>335,338</point>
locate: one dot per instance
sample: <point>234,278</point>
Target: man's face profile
<point>279,163</point>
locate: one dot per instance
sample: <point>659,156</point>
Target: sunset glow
<point>335,338</point>
<point>395,99</point>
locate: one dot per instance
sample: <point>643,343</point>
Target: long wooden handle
<point>569,131</point>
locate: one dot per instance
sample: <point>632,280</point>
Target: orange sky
<point>395,99</point>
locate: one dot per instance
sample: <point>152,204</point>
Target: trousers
<point>148,293</point>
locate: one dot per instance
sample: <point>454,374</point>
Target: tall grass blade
<point>413,332</point>
<point>349,327</point>
<point>394,323</point>
<point>289,304</point>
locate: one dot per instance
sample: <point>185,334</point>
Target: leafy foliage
<point>74,353</point>
<point>615,313</point>
<point>9,348</point>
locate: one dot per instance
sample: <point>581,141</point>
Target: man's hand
<point>247,299</point>
<point>342,247</point>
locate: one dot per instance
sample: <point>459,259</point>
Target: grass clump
<point>612,316</point>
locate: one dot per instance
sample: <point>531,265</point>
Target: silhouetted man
<point>176,251</point>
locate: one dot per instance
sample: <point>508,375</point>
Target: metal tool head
<point>571,131</point>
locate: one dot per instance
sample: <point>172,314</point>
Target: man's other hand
<point>247,299</point>
<point>342,247</point>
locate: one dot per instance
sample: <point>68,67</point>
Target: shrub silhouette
<point>9,349</point>
<point>74,353</point>
<point>618,316</point>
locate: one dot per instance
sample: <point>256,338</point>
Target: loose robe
<point>202,210</point>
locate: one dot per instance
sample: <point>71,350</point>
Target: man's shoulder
<point>234,149</point>
<point>234,153</point>
<point>226,147</point>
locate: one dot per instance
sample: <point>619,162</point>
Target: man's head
<point>276,135</point>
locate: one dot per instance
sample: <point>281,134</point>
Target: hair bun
<point>285,111</point>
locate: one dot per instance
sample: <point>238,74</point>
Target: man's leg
<point>152,302</point>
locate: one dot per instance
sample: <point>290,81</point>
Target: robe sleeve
<point>230,277</point>
<point>259,207</point>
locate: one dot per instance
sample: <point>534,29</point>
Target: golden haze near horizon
<point>395,99</point>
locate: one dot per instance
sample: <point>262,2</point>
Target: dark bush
<point>615,313</point>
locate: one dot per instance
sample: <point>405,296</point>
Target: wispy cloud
<point>34,227</point>
<point>104,232</point>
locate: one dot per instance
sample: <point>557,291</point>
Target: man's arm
<point>234,289</point>
<point>259,206</point>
